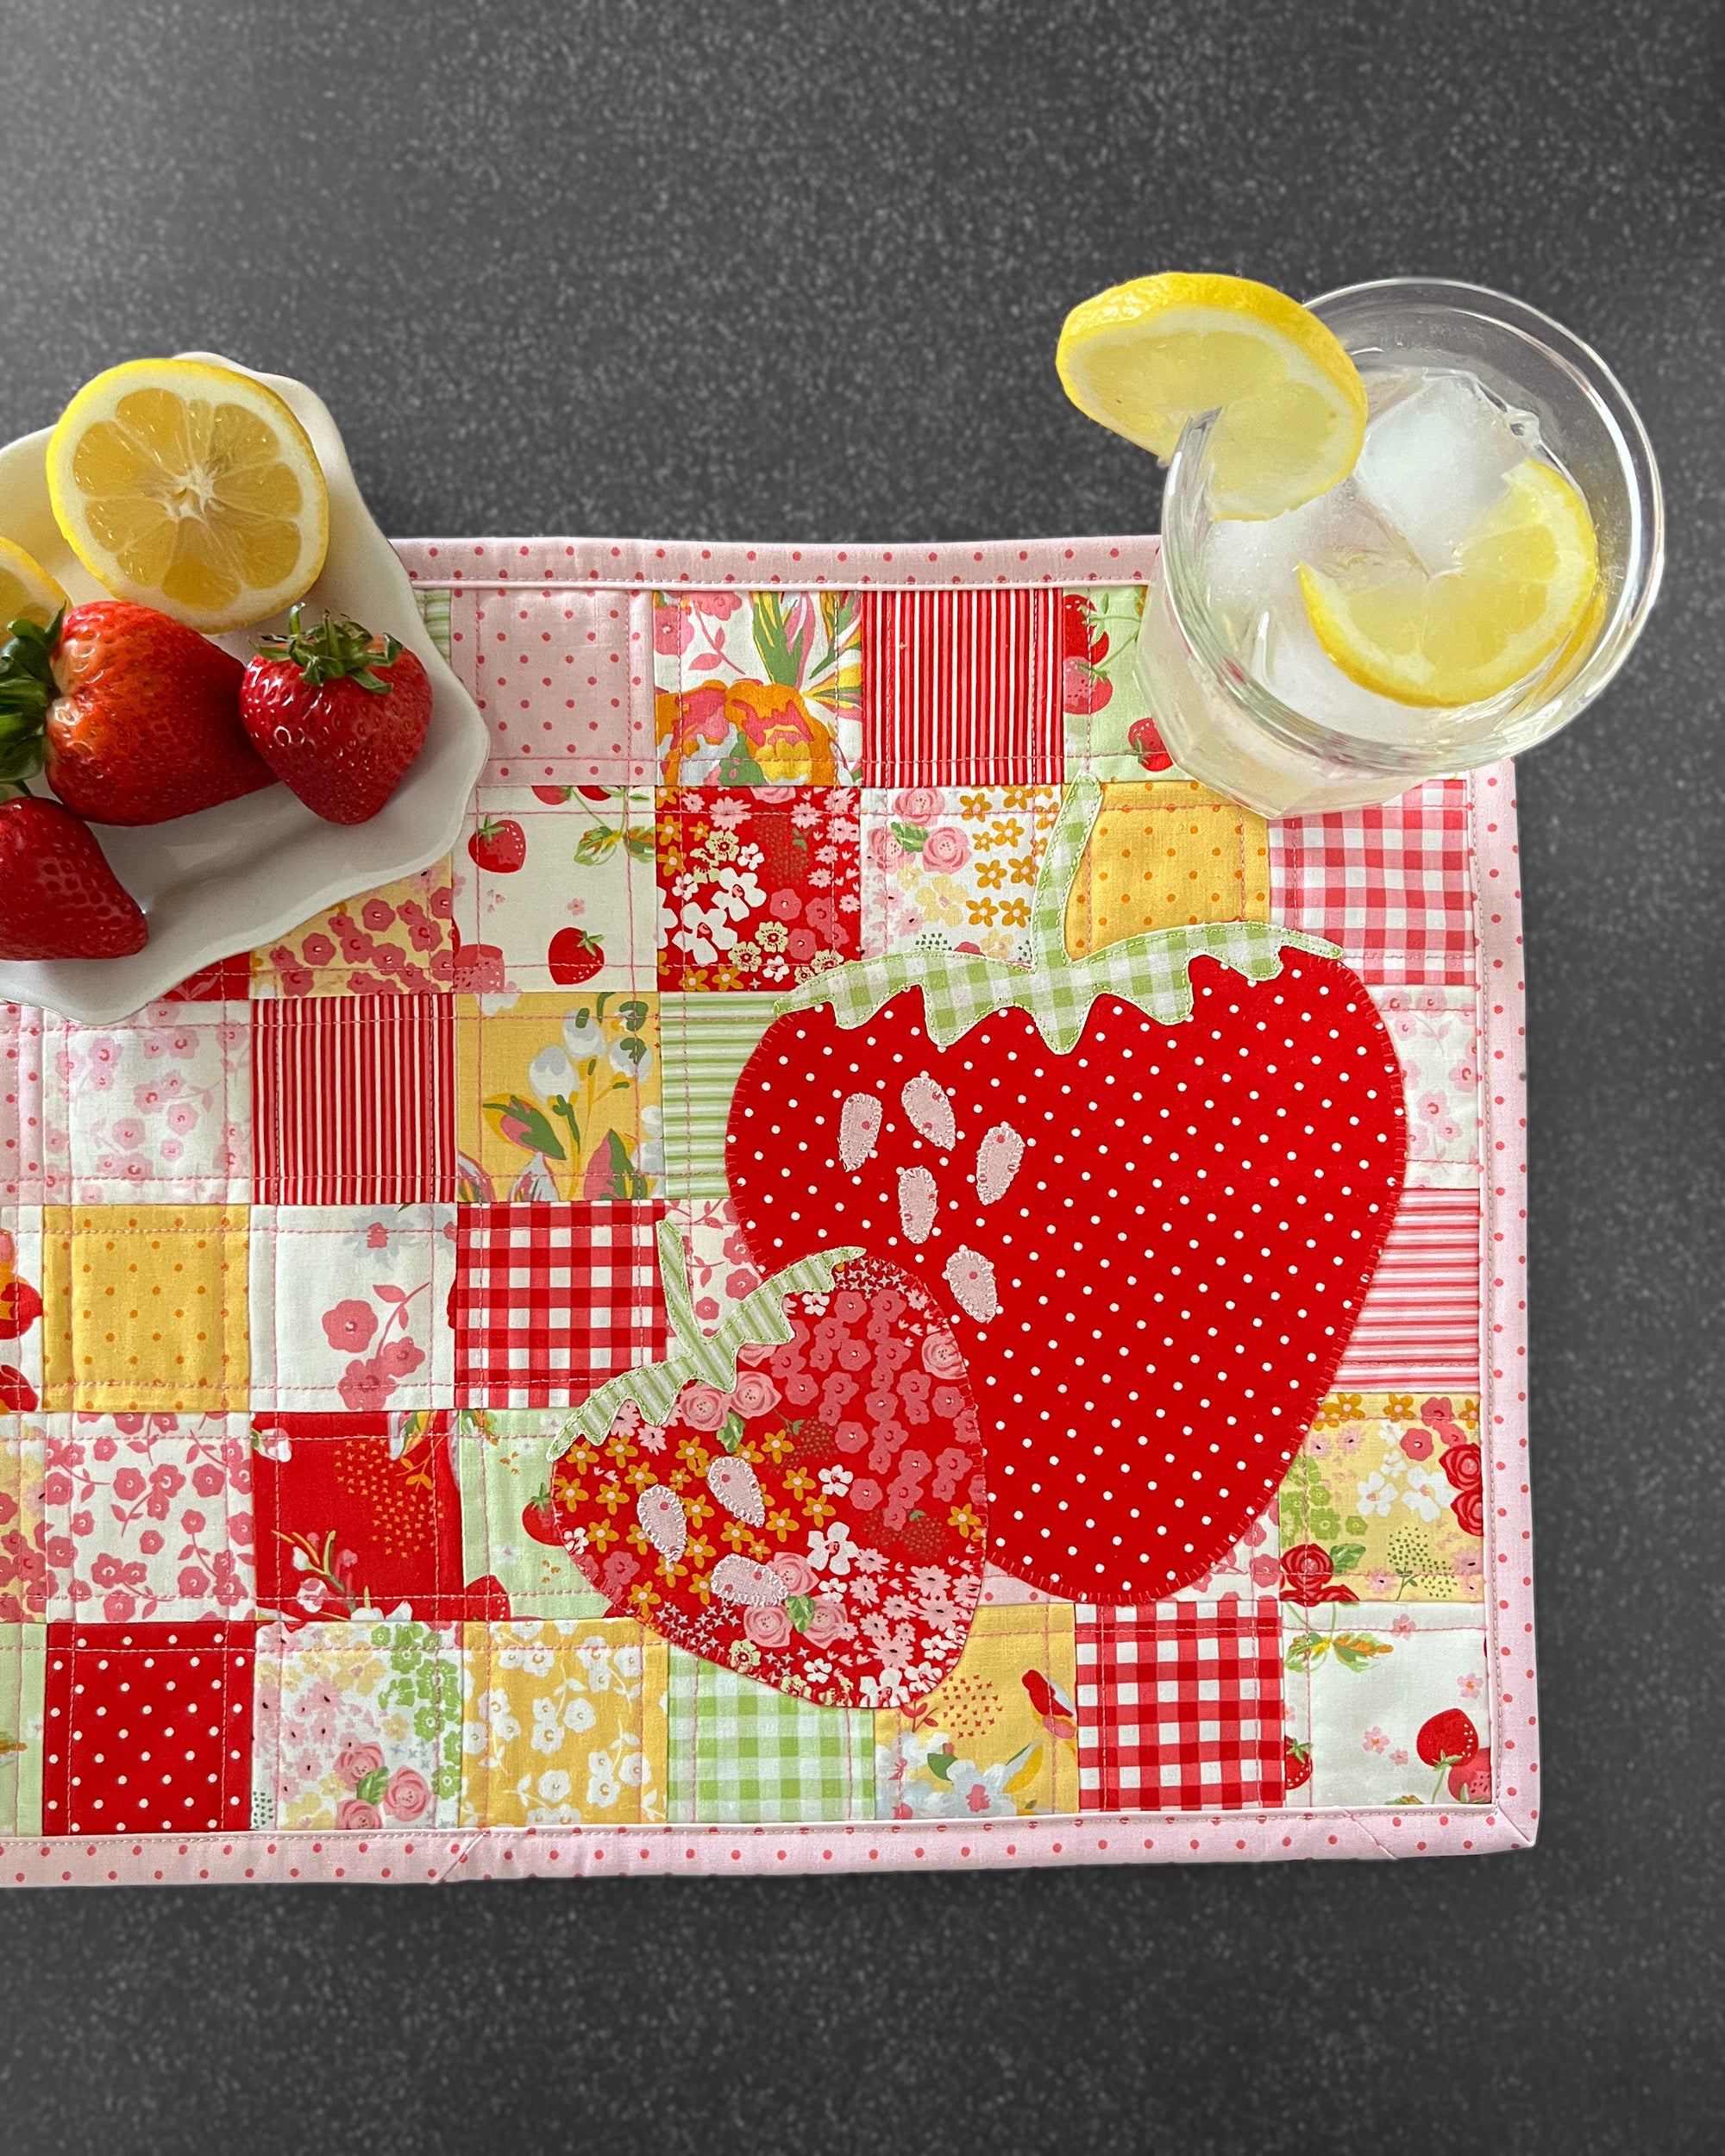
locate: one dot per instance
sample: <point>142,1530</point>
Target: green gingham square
<point>741,1753</point>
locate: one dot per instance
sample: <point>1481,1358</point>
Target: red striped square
<point>355,1100</point>
<point>963,688</point>
<point>1419,1325</point>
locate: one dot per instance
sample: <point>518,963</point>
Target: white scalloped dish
<point>241,874</point>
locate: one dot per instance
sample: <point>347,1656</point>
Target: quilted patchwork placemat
<point>343,1533</point>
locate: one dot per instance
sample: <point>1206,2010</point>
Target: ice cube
<point>1434,460</point>
<point>1252,565</point>
<point>1290,663</point>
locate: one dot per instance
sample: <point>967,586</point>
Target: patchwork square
<point>962,687</point>
<point>998,1736</point>
<point>555,890</point>
<point>396,940</point>
<point>147,1518</point>
<point>356,1100</point>
<point>758,886</point>
<point>957,862</point>
<point>550,1300</point>
<point>350,1308</point>
<point>757,689</point>
<point>1110,731</point>
<point>23,1536</point>
<point>1436,1032</point>
<point>564,1724</point>
<point>562,679</point>
<point>224,980</point>
<point>742,1752</point>
<point>148,1309</point>
<point>706,1040</point>
<point>147,1729</point>
<point>559,1098</point>
<point>22,1662</point>
<point>1180,1706</point>
<point>358,1725</point>
<point>509,1534</point>
<point>1167,853</point>
<point>1419,1326</point>
<point>24,1130</point>
<point>22,1324</point>
<point>1392,886</point>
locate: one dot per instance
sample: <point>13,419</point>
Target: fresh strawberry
<point>337,714</point>
<point>573,955</point>
<point>58,898</point>
<point>499,846</point>
<point>539,1520</point>
<point>133,718</point>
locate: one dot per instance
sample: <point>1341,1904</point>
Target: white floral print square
<point>350,1307</point>
<point>956,862</point>
<point>555,889</point>
<point>147,1518</point>
<point>155,1111</point>
<point>1392,1699</point>
<point>1436,1033</point>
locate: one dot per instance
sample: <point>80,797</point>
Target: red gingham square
<point>1180,1707</point>
<point>550,1300</point>
<point>1393,886</point>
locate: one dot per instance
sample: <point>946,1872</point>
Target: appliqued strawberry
<point>499,845</point>
<point>572,955</point>
<point>1149,1189</point>
<point>132,718</point>
<point>337,714</point>
<point>801,1499</point>
<point>58,898</point>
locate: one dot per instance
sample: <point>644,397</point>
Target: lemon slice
<point>1147,357</point>
<point>1524,578</point>
<point>26,588</point>
<point>192,488</point>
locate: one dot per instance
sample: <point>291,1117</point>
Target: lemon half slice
<point>27,589</point>
<point>1145,357</point>
<point>1524,579</point>
<point>192,488</point>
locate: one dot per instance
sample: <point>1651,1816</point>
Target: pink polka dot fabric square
<point>564,680</point>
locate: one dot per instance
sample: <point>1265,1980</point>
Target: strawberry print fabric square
<point>1389,1704</point>
<point>959,863</point>
<point>757,689</point>
<point>1180,1706</point>
<point>963,688</point>
<point>563,681</point>
<point>1393,886</point>
<point>509,1525</point>
<point>551,1300</point>
<point>758,886</point>
<point>1109,730</point>
<point>155,1110</point>
<point>350,1307</point>
<point>356,1100</point>
<point>360,1515</point>
<point>1418,1327</point>
<point>1436,1032</point>
<point>554,890</point>
<point>358,1725</point>
<point>147,1518</point>
<point>396,940</point>
<point>147,1729</point>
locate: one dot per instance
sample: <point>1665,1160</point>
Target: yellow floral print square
<point>1383,1500</point>
<point>145,1308</point>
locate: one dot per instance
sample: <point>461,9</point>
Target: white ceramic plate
<point>235,876</point>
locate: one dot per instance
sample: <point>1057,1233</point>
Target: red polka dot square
<point>147,1729</point>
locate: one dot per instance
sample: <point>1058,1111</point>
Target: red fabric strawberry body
<point>819,1528</point>
<point>1153,1248</point>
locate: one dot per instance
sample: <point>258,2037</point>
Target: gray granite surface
<point>795,271</point>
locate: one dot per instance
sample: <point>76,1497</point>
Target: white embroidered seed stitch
<point>663,1520</point>
<point>918,1200</point>
<point>737,1486</point>
<point>971,1278</point>
<point>741,1580</point>
<point>929,1106</point>
<point>859,1127</point>
<point>999,1158</point>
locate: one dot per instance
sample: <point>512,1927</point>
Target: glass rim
<point>1512,720</point>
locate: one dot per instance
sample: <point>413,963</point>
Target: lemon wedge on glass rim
<point>190,487</point>
<point>1145,357</point>
<point>1525,577</point>
<point>26,589</point>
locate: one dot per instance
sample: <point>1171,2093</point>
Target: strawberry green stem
<point>27,687</point>
<point>336,650</point>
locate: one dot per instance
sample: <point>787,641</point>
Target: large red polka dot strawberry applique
<point>802,1500</point>
<point>1149,1189</point>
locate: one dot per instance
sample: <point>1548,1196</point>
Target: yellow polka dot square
<point>145,1308</point>
<point>1168,854</point>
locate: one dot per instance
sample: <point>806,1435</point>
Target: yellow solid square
<point>145,1308</point>
<point>1169,853</point>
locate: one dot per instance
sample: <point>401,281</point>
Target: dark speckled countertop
<point>795,271</point>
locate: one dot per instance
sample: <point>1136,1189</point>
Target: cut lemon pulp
<point>26,589</point>
<point>192,488</point>
<point>1146,358</point>
<point>1524,577</point>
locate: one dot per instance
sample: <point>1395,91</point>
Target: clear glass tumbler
<point>1223,726</point>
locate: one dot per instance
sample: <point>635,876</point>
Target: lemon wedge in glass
<point>1524,578</point>
<point>192,488</point>
<point>1145,357</point>
<point>26,589</point>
